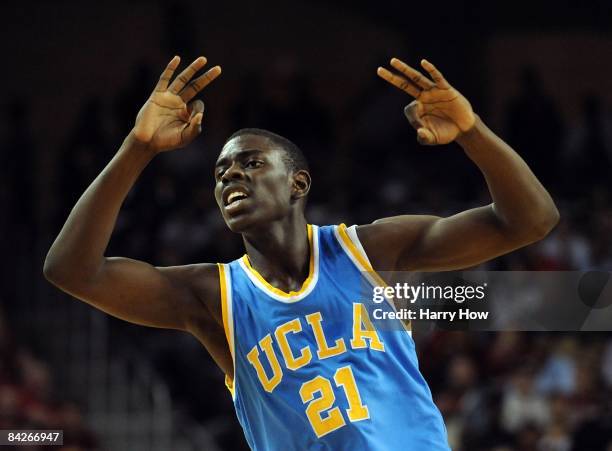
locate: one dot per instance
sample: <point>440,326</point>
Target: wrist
<point>131,142</point>
<point>468,135</point>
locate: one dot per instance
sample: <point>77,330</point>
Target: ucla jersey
<point>310,370</point>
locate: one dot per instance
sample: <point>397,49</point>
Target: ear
<point>301,184</point>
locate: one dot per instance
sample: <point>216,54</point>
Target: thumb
<point>425,137</point>
<point>193,129</point>
<point>411,113</point>
<point>195,107</point>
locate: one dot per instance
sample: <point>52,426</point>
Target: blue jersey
<point>311,372</point>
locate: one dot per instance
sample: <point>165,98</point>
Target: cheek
<point>217,195</point>
<point>277,192</point>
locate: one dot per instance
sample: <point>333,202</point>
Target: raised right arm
<point>129,289</point>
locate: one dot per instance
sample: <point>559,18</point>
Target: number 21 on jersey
<point>323,417</point>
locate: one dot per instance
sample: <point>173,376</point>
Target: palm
<point>444,131</point>
<point>168,119</point>
<point>439,112</point>
<point>162,121</point>
<point>445,112</point>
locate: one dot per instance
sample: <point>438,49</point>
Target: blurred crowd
<point>497,391</point>
<point>29,397</point>
<point>522,391</point>
<point>365,165</point>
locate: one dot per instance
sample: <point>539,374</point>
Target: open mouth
<point>235,198</point>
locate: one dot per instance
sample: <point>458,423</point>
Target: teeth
<point>236,195</point>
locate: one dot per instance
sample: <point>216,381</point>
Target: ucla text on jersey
<point>310,369</point>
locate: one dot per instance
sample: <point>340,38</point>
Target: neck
<point>280,252</point>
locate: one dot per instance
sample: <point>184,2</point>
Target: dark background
<point>73,78</point>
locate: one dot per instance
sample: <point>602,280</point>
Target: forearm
<point>520,201</point>
<point>78,250</point>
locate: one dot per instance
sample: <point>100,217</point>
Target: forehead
<point>247,145</point>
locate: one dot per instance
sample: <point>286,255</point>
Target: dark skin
<point>270,215</point>
<point>271,219</point>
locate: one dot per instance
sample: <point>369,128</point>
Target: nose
<point>234,172</point>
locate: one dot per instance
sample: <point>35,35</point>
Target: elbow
<point>66,274</point>
<point>545,223</point>
<point>59,272</point>
<point>53,272</point>
<point>549,221</point>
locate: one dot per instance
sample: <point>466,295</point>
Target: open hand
<point>439,112</point>
<point>168,119</point>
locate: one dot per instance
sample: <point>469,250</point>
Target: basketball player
<point>305,366</point>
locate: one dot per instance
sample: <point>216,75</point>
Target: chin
<point>236,226</point>
<point>249,222</point>
<point>240,223</point>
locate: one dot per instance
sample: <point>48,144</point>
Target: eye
<point>219,173</point>
<point>252,164</point>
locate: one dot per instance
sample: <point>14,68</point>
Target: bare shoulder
<point>202,282</point>
<point>387,240</point>
<point>204,319</point>
<point>394,226</point>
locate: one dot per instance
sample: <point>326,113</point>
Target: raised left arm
<point>522,211</point>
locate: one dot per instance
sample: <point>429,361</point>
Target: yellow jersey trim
<point>363,263</point>
<point>227,317</point>
<point>305,284</point>
<point>359,256</point>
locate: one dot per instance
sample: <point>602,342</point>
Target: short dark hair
<point>293,157</point>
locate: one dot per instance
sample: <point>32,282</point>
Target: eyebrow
<point>240,155</point>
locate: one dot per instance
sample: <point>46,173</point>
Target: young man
<point>305,366</point>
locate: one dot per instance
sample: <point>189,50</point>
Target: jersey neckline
<point>308,284</point>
